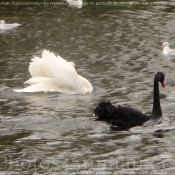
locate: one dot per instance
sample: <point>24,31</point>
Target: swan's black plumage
<point>128,117</point>
<point>120,115</point>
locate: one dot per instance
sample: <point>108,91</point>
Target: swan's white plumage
<point>38,68</point>
<point>53,73</point>
<point>167,50</point>
<point>4,26</point>
<point>75,3</point>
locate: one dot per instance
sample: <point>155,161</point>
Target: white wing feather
<point>38,68</point>
<point>64,72</point>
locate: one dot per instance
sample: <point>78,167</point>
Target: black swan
<point>125,117</point>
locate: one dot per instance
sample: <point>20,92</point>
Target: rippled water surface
<point>118,49</point>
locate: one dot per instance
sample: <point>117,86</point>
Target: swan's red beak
<point>163,83</point>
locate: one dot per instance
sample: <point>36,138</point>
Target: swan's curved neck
<point>156,112</point>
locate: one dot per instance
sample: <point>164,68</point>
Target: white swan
<point>53,73</point>
<point>75,3</point>
<point>4,26</point>
<point>167,50</point>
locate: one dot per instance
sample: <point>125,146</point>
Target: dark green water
<point>118,49</point>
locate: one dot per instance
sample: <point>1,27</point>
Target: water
<point>118,49</point>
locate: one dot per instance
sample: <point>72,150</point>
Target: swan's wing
<point>44,80</point>
<point>39,87</point>
<point>39,84</point>
<point>38,68</point>
<point>87,85</point>
<point>43,84</point>
<point>64,72</point>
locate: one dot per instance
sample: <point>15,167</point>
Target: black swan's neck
<point>156,112</point>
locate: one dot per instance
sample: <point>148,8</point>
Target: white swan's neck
<point>166,50</point>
